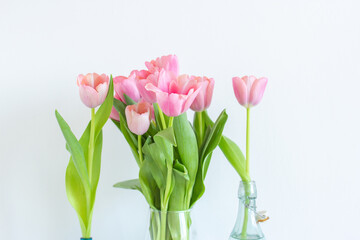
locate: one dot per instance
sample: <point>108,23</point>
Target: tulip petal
<point>102,90</point>
<point>89,96</point>
<point>257,91</point>
<point>240,90</point>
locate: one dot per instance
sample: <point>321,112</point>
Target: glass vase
<point>247,225</point>
<point>170,225</point>
<point>85,238</point>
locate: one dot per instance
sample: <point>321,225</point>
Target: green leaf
<point>156,163</point>
<point>96,167</point>
<point>148,184</point>
<point>76,195</point>
<point>76,151</point>
<point>165,140</point>
<point>187,149</point>
<point>128,100</point>
<point>234,155</point>
<point>168,135</point>
<point>133,184</point>
<point>158,118</point>
<point>181,179</point>
<point>120,107</point>
<point>211,141</point>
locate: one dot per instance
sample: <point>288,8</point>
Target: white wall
<point>305,143</point>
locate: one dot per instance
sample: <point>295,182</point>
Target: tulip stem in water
<point>140,149</point>
<point>91,143</point>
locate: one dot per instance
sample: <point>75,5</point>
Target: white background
<point>305,143</point>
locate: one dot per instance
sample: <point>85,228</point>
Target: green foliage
<point>233,153</point>
<point>209,143</point>
<point>129,184</point>
<point>175,158</point>
<point>80,189</point>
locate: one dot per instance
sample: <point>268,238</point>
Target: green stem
<point>201,127</point>
<point>165,203</point>
<point>91,144</point>
<point>162,117</point>
<point>248,141</point>
<point>140,149</point>
<point>246,215</point>
<point>171,121</point>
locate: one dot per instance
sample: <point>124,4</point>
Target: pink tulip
<point>168,63</point>
<point>138,117</point>
<point>203,99</point>
<point>114,113</point>
<point>174,94</point>
<point>127,85</point>
<point>93,88</point>
<point>249,90</point>
<point>144,77</point>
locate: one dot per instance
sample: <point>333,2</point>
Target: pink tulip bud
<point>203,99</point>
<point>127,85</point>
<point>138,117</point>
<point>174,94</point>
<point>93,88</point>
<point>249,90</point>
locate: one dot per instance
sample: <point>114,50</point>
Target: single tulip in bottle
<point>93,88</point>
<point>249,91</point>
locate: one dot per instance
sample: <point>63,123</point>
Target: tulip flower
<point>127,85</point>
<point>203,99</point>
<point>168,63</point>
<point>138,117</point>
<point>174,94</point>
<point>249,90</point>
<point>144,77</point>
<point>93,88</point>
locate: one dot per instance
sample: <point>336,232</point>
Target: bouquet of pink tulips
<point>149,108</point>
<point>173,155</point>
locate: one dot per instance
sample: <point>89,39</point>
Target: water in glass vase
<point>247,226</point>
<point>170,225</point>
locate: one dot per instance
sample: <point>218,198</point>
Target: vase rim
<point>252,182</point>
<point>180,211</point>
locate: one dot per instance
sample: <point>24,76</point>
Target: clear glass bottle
<point>246,226</point>
<point>170,225</point>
